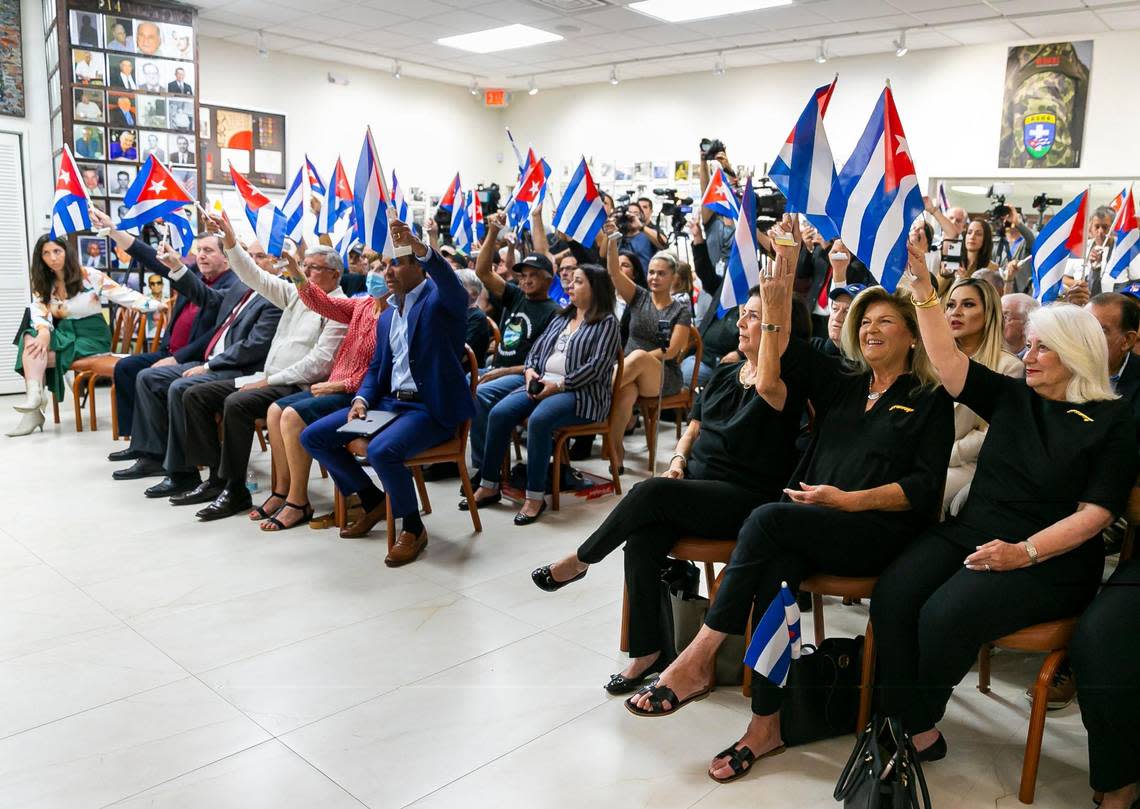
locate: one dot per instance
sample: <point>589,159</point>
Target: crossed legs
<point>641,377</point>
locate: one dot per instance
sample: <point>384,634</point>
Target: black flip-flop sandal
<point>306,515</point>
<point>544,580</point>
<point>260,510</point>
<point>742,761</point>
<point>619,685</point>
<point>658,696</point>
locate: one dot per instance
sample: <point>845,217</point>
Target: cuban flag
<point>454,191</point>
<point>719,196</point>
<point>475,215</point>
<point>558,293</point>
<point>316,184</point>
<point>743,269</point>
<point>369,200</point>
<point>344,235</point>
<point>461,235</point>
<point>398,201</point>
<point>337,198</point>
<point>264,217</point>
<point>179,230</point>
<point>804,170</point>
<point>776,641</point>
<point>1118,201</point>
<point>876,197</point>
<point>580,213</point>
<point>1061,239</point>
<point>1126,252</point>
<point>530,193</point>
<point>293,208</point>
<point>70,211</point>
<point>943,199</point>
<point>154,194</point>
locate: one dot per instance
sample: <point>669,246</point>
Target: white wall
<point>949,100</point>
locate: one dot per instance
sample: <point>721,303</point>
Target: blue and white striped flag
<point>776,641</point>
<point>1062,238</point>
<point>294,207</point>
<point>580,213</point>
<point>180,231</point>
<point>70,210</point>
<point>804,170</point>
<point>398,201</point>
<point>743,269</point>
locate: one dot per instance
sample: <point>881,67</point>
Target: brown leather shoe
<point>361,526</point>
<point>408,546</point>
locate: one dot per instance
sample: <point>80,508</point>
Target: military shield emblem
<point>1038,133</point>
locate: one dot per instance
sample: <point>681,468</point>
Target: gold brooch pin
<point>1084,418</point>
<point>904,409</point>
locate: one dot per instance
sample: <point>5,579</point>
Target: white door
<point>14,288</point>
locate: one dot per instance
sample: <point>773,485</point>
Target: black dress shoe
<point>489,500</point>
<point>935,752</point>
<point>144,467</point>
<point>230,502</point>
<point>170,486</point>
<point>627,685</point>
<point>204,492</point>
<point>127,454</point>
<point>524,519</point>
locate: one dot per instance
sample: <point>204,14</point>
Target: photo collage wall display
<point>252,142</point>
<point>127,87</point>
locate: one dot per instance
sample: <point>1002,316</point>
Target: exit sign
<point>496,98</point>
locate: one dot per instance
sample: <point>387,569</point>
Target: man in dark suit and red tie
<point>417,375</point>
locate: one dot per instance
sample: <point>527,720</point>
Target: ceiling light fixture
<point>613,76</point>
<point>720,67</point>
<point>473,87</point>
<point>396,70</point>
<point>262,51</point>
<point>532,89</point>
<point>499,39</point>
<point>686,10</point>
<point>821,53</point>
<point>900,45</point>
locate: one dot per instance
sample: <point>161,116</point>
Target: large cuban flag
<point>804,170</point>
<point>369,199</point>
<point>1062,238</point>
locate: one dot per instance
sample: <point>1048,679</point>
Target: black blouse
<point>1041,458</point>
<point>905,438</point>
<point>743,440</point>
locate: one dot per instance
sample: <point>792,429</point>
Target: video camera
<point>675,207</point>
<point>770,203</point>
<point>489,196</point>
<point>710,148</point>
<point>621,215</point>
<point>1043,201</point>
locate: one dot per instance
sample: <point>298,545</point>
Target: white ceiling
<point>600,33</point>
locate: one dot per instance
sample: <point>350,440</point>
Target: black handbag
<point>821,699</point>
<point>884,771</point>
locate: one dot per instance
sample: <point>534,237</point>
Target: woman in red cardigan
<point>288,505</point>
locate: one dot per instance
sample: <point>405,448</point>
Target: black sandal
<point>260,510</point>
<point>306,515</point>
<point>544,580</point>
<point>741,761</point>
<point>658,696</point>
<point>619,684</point>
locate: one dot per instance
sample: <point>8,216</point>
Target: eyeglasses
<point>309,266</point>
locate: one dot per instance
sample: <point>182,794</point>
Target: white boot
<point>28,424</point>
<point>36,399</point>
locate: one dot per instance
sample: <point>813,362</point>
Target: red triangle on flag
<point>897,162</point>
<point>160,184</point>
<point>1076,240</point>
<point>340,183</point>
<point>591,189</point>
<point>252,198</point>
<point>68,178</point>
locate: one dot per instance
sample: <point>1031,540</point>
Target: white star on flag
<point>904,147</point>
<point>64,176</point>
<point>158,186</point>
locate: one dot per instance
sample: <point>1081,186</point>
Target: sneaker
<point>1062,690</point>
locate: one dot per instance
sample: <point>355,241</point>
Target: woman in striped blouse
<point>66,324</point>
<point>568,380</point>
<point>288,505</point>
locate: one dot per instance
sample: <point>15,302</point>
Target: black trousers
<point>240,409</point>
<point>786,542</point>
<point>649,520</point>
<point>1106,668</point>
<point>126,370</point>
<point>932,615</point>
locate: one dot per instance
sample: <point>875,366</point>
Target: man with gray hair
<point>1015,309</point>
<point>300,354</point>
<point>478,326</point>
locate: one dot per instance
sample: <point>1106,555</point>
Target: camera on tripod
<point>621,212</point>
<point>770,203</point>
<point>674,207</point>
<point>1043,201</point>
<point>489,196</point>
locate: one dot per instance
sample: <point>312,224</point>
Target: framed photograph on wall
<point>152,143</point>
<point>89,105</point>
<point>94,178</point>
<point>11,61</point>
<point>120,179</point>
<point>254,142</point>
<point>85,30</point>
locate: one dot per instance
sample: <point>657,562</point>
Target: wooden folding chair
<point>679,402</point>
<point>128,336</point>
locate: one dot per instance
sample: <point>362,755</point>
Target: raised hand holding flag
<point>71,209</point>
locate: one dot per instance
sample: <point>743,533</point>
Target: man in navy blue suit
<point>415,373</point>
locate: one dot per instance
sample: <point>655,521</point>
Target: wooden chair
<point>128,336</point>
<point>679,402</point>
<point>496,338</point>
<point>452,451</point>
<point>563,436</point>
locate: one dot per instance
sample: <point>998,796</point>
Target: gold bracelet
<point>930,302</point>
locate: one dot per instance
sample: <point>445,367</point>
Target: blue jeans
<point>703,375</point>
<point>546,416</point>
<point>487,395</point>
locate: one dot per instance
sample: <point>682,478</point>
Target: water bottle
<point>251,482</point>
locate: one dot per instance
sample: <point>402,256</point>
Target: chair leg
<point>611,452</point>
<point>867,680</point>
<point>261,439</point>
<point>91,403</point>
<point>421,487</point>
<point>649,414</point>
<point>817,617</point>
<point>1037,725</point>
<point>556,484</point>
<point>340,508</point>
<point>680,412</point>
<point>469,493</point>
<point>324,472</point>
<point>711,581</point>
<point>55,407</point>
<point>516,439</point>
<point>984,668</point>
<point>114,413</point>
<point>623,642</point>
<point>75,384</point>
<point>390,521</point>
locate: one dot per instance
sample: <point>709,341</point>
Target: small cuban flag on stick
<point>264,217</point>
<point>1126,248</point>
<point>179,231</point>
<point>70,211</point>
<point>580,213</point>
<point>743,269</point>
<point>776,641</point>
<point>293,207</point>
<point>154,194</point>
<point>719,196</point>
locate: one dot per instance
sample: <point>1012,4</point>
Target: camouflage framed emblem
<point>1038,134</point>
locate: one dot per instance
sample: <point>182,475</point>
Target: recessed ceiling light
<point>685,10</point>
<point>900,45</point>
<point>499,39</point>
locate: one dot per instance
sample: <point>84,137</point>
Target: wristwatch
<point>770,327</point>
<point>1031,551</point>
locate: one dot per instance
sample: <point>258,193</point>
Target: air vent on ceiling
<point>570,6</point>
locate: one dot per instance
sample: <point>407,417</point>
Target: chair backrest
<point>160,324</point>
<point>496,338</point>
<point>473,367</point>
<point>1132,516</point>
<point>698,348</point>
<point>617,385</point>
<point>123,331</point>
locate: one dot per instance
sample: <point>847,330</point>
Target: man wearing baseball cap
<point>841,298</point>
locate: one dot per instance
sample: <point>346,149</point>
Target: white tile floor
<point>150,661</point>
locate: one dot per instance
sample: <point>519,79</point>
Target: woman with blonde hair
<point>973,310</point>
<point>1057,464</point>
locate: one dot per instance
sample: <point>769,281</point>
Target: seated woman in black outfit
<point>737,453</point>
<point>870,480</point>
<point>1106,667</point>
<point>1057,463</point>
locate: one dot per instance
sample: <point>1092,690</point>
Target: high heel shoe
<point>37,398</point>
<point>935,752</point>
<point>28,424</point>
